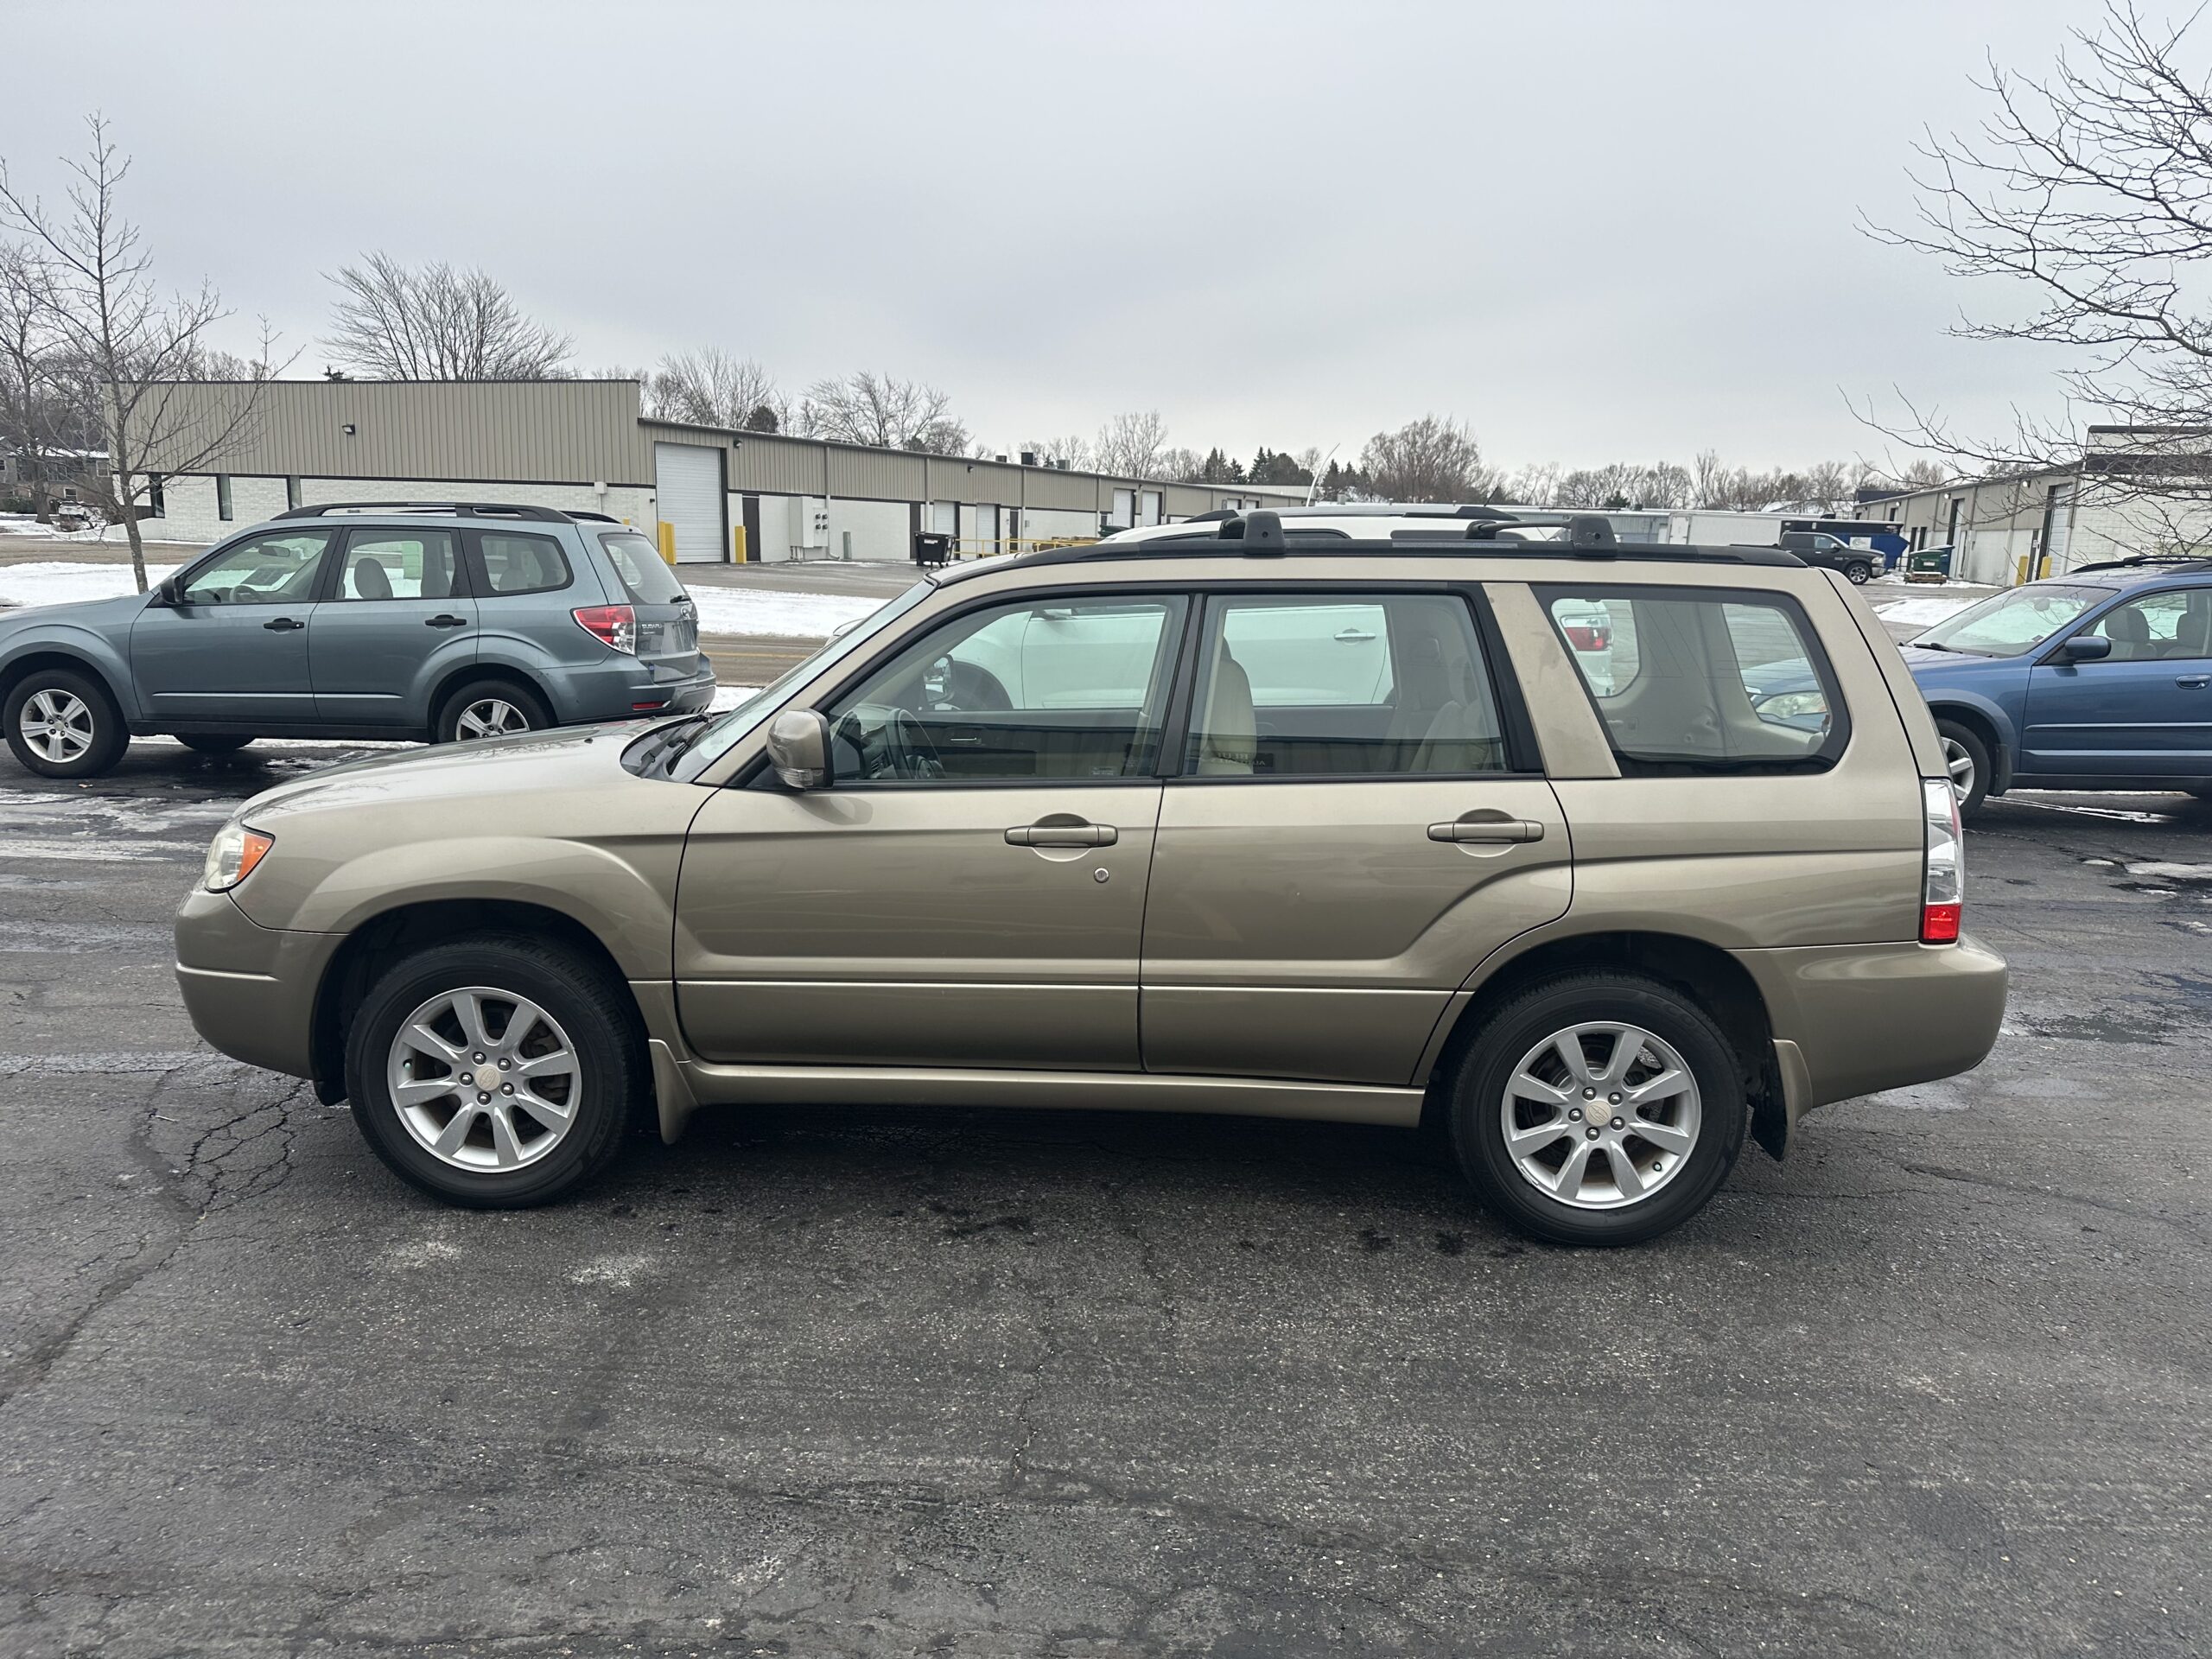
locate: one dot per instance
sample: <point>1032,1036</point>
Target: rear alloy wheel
<point>62,724</point>
<point>1600,1109</point>
<point>490,709</point>
<point>1965,758</point>
<point>495,1072</point>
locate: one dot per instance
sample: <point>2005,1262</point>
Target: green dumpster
<point>1929,564</point>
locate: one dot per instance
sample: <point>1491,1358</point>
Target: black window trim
<point>326,589</point>
<point>480,578</point>
<point>2053,650</point>
<point>1833,746</point>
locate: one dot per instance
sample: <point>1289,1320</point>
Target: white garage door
<point>690,481</point>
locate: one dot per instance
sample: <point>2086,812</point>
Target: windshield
<point>732,723</point>
<point>2012,623</point>
<point>644,572</point>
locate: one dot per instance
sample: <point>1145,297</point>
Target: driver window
<point>1072,691</point>
<point>2159,626</point>
<point>264,570</point>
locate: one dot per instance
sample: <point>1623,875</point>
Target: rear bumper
<point>250,989</point>
<point>1856,1019</point>
<point>614,689</point>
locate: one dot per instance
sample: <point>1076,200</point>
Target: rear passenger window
<point>1696,681</point>
<point>515,563</point>
<point>397,564</point>
<point>1356,684</point>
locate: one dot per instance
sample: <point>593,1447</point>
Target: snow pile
<point>792,616</point>
<point>55,582</point>
<point>22,523</point>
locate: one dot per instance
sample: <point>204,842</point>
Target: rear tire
<point>213,742</point>
<point>61,723</point>
<point>488,707</point>
<point>1624,1188</point>
<point>1968,760</point>
<point>507,1154</point>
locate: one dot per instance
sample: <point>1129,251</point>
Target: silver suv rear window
<point>644,572</point>
<point>1702,680</point>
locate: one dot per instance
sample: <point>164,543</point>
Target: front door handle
<point>1353,637</point>
<point>2193,682</point>
<point>1487,832</point>
<point>283,624</point>
<point>1063,835</point>
<point>443,621</point>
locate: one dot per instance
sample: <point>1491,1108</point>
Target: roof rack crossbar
<point>451,509</point>
<point>2137,561</point>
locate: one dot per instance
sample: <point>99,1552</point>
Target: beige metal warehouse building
<point>586,445</point>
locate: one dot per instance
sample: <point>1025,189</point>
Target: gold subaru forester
<point>1596,858</point>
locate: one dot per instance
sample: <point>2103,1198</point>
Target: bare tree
<point>1131,445</point>
<point>1181,465</point>
<point>709,387</point>
<point>394,323</point>
<point>120,341</point>
<point>35,418</point>
<point>1426,460</point>
<point>1829,484</point>
<point>2090,191</point>
<point>887,413</point>
<point>1076,451</point>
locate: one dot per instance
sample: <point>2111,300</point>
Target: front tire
<point>496,1072</point>
<point>62,723</point>
<point>1535,1106</point>
<point>1858,573</point>
<point>1968,760</point>
<point>491,709</point>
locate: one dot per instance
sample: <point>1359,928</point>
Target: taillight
<point>613,625</point>
<point>1944,888</point>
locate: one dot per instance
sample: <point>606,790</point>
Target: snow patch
<point>792,616</point>
<point>619,1271</point>
<point>63,582</point>
<point>1924,611</point>
<point>422,1253</point>
<point>2174,872</point>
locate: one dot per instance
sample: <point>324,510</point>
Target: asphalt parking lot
<point>1076,1384</point>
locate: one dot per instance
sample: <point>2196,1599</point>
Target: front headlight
<point>231,857</point>
<point>1794,705</point>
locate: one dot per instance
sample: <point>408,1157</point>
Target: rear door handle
<point>2193,682</point>
<point>1488,831</point>
<point>283,624</point>
<point>1353,637</point>
<point>445,622</point>
<point>1063,835</point>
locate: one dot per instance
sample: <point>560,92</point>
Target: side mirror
<point>170,593</point>
<point>2085,648</point>
<point>798,748</point>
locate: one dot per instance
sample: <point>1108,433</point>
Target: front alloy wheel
<point>58,724</point>
<point>61,723</point>
<point>484,1078</point>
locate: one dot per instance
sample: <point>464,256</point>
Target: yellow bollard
<point>737,543</point>
<point>667,540</point>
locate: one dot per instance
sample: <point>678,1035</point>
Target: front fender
<point>621,900</point>
<point>2001,718</point>
<point>91,648</point>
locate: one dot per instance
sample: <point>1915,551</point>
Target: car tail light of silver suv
<point>1943,887</point>
<point>613,625</point>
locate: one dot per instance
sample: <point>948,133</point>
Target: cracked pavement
<point>894,1383</point>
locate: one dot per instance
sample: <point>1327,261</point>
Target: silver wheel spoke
<point>550,1113</point>
<point>1625,1176</point>
<point>548,1065</point>
<point>504,1146</point>
<point>1668,1083</point>
<point>1527,1083</point>
<point>418,1090</point>
<point>456,1131</point>
<point>418,1035</point>
<point>1568,1046</point>
<point>1521,1142</point>
<point>1664,1136</point>
<point>1568,1183</point>
<point>1627,1046</point>
<point>470,1012</point>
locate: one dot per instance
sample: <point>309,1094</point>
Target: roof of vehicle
<point>2122,574</point>
<point>1329,533</point>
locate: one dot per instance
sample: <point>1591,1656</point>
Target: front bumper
<point>1862,1018</point>
<point>250,989</point>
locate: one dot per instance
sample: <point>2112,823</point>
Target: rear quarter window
<point>1689,681</point>
<point>638,564</point>
<point>514,563</point>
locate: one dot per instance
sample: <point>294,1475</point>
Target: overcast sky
<point>1591,231</point>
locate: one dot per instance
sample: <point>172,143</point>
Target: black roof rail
<point>1260,530</point>
<point>1587,533</point>
<point>450,509</point>
<point>2136,562</point>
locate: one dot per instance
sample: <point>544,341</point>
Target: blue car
<point>430,622</point>
<point>2098,679</point>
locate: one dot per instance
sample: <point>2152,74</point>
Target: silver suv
<point>436,622</point>
<point>1383,822</point>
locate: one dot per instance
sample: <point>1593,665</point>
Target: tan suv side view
<point>1388,820</point>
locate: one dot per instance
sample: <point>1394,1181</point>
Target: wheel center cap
<point>487,1077</point>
